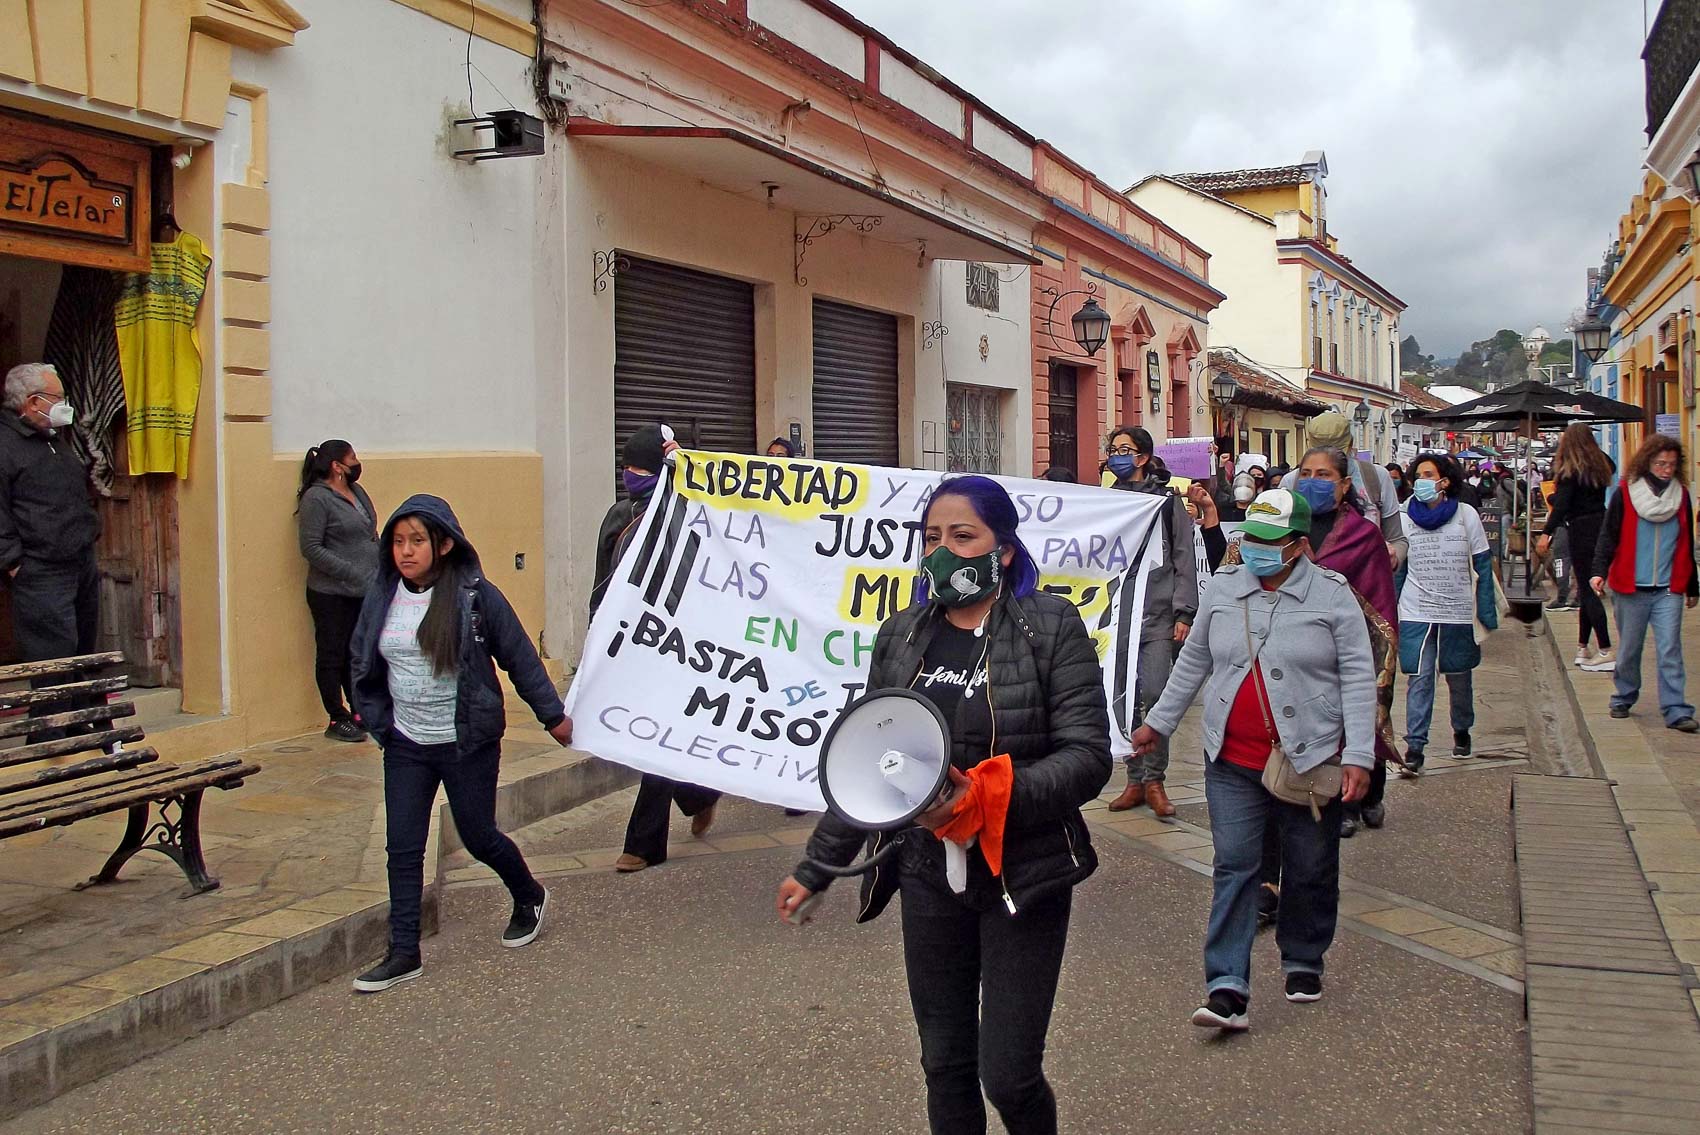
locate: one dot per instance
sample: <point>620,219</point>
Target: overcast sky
<point>1480,151</point>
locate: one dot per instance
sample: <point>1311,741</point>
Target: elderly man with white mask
<point>48,523</point>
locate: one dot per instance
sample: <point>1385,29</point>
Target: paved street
<point>671,1001</point>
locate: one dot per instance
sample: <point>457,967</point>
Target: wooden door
<point>139,602</point>
<point>1065,417</point>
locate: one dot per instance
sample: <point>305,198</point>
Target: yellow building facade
<point>1652,293</point>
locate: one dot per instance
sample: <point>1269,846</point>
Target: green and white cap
<point>1277,514</point>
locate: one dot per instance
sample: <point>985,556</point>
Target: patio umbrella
<point>1532,404</point>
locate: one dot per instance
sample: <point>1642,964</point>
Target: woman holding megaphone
<point>1014,673</point>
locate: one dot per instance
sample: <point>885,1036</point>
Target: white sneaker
<point>1585,656</point>
<point>1603,662</point>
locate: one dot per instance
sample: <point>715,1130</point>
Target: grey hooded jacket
<point>1313,645</point>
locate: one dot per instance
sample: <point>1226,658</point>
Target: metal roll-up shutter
<point>685,354</point>
<point>855,388</point>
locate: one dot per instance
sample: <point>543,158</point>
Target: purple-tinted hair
<point>992,504</point>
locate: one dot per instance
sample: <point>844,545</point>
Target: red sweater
<point>1247,741</point>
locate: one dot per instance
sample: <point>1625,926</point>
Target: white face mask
<point>1245,489</point>
<point>61,415</point>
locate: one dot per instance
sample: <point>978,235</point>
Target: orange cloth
<point>982,809</point>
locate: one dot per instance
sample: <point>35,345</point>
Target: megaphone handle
<point>865,865</point>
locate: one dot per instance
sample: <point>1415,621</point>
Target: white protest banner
<point>742,618</point>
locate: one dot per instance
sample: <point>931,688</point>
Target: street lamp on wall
<point>1223,388</point>
<point>1361,417</point>
<point>1091,324</point>
<point>1593,335</point>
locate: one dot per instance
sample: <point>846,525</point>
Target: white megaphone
<point>884,762</point>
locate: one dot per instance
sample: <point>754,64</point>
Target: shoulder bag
<point>1312,789</point>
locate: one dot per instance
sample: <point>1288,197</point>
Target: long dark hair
<point>439,630</point>
<point>991,503</point>
<point>1336,457</point>
<point>316,466</point>
<point>1580,457</point>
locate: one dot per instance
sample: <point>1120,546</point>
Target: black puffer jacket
<point>1047,697</point>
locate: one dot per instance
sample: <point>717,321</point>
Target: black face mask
<point>352,473</point>
<point>1660,484</point>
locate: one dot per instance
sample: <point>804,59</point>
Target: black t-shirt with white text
<point>953,677</point>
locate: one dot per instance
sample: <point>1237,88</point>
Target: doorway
<point>1065,416</point>
<point>138,547</point>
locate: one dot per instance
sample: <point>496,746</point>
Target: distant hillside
<point>1498,360</point>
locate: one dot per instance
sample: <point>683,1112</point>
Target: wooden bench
<point>67,786</point>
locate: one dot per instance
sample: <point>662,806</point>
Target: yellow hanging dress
<point>161,354</point>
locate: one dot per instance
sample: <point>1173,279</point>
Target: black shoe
<point>1414,762</point>
<point>1348,825</point>
<point>526,923</point>
<point>1559,605</point>
<point>1685,725</point>
<point>1224,1010</point>
<point>1304,987</point>
<point>1461,743</point>
<point>1620,711</point>
<point>393,970</point>
<point>1268,904</point>
<point>345,731</point>
<point>1374,816</point>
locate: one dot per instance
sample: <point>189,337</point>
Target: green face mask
<point>956,582</point>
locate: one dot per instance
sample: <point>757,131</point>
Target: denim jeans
<point>411,775</point>
<point>1156,659</point>
<point>1663,610</point>
<point>982,984</point>
<point>1419,697</point>
<point>1240,811</point>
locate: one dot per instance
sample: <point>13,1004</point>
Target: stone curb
<point>78,1033</point>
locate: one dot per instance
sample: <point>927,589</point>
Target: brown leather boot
<point>703,820</point>
<point>1158,799</point>
<point>1132,797</point>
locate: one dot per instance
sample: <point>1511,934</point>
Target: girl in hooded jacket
<point>431,632</point>
<point>1013,670</point>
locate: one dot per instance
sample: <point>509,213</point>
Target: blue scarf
<point>1431,516</point>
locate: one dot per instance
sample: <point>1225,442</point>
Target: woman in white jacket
<point>1282,653</point>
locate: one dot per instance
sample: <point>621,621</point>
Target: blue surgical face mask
<point>1122,465</point>
<point>1263,560</point>
<point>1425,489</point>
<point>1318,493</point>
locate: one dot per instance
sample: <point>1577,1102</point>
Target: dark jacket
<point>338,540</point>
<point>1571,501</point>
<point>1047,695</point>
<point>490,634</point>
<point>1171,590</point>
<point>618,527</point>
<point>45,509</point>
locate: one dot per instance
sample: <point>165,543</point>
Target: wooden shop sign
<point>72,195</point>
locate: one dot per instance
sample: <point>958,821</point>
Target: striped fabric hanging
<point>82,345</point>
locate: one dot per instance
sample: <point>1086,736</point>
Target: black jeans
<point>334,617</point>
<point>56,608</point>
<point>56,614</point>
<point>646,831</point>
<point>1584,535</point>
<point>411,775</point>
<point>982,984</point>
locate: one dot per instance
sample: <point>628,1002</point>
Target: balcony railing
<point>1671,55</point>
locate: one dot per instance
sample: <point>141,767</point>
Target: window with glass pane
<point>976,428</point>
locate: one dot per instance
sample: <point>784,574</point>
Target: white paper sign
<point>1230,532</point>
<point>742,618</point>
